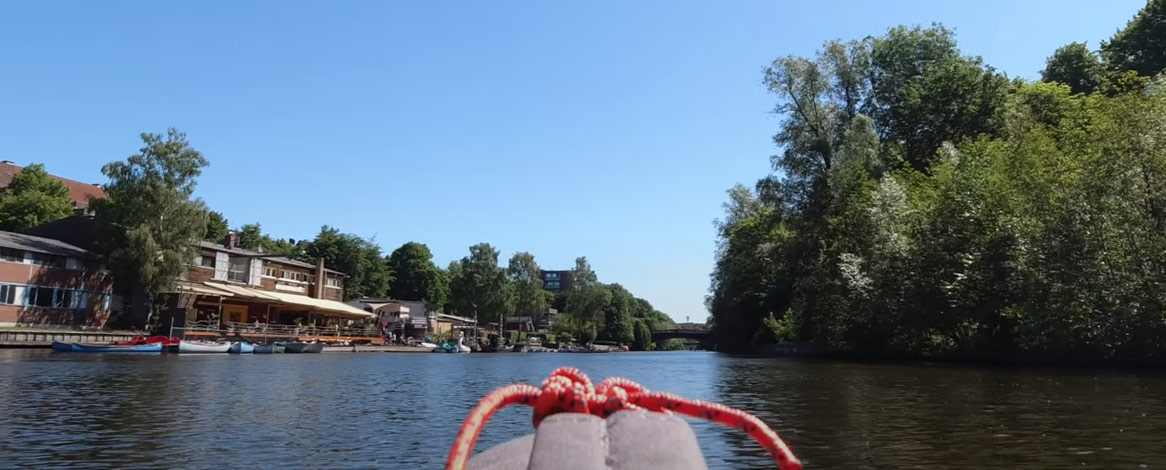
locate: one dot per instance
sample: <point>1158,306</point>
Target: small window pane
<point>11,255</point>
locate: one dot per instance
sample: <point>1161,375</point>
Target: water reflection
<point>398,411</point>
<point>838,415</point>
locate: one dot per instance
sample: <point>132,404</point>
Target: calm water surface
<point>371,410</point>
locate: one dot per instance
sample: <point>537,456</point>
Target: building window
<point>40,296</point>
<point>332,282</point>
<point>552,284</point>
<point>11,255</point>
<point>52,261</point>
<point>237,270</point>
<point>8,294</point>
<point>270,272</point>
<point>206,261</point>
<point>552,275</point>
<point>293,276</point>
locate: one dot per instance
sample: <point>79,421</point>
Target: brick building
<point>50,283</point>
<point>80,193</point>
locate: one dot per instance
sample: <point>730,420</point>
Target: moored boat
<point>62,347</point>
<point>117,348</point>
<point>166,341</point>
<point>298,347</point>
<point>241,347</point>
<point>452,347</point>
<point>273,348</point>
<point>189,347</point>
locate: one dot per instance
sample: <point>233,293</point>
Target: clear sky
<point>609,129</point>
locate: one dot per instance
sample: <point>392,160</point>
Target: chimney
<point>232,240</point>
<point>320,279</point>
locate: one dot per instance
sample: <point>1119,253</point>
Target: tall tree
<point>368,272</point>
<point>251,236</point>
<point>523,273</point>
<point>415,277</point>
<point>478,285</point>
<point>216,227</point>
<point>1141,45</point>
<point>619,322</point>
<point>586,300</point>
<point>925,93</point>
<point>148,222</point>
<point>33,198</point>
<point>1075,65</point>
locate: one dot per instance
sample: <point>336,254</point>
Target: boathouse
<point>227,290</point>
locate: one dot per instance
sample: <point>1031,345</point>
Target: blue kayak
<point>116,348</point>
<point>241,347</point>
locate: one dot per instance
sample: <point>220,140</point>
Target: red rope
<point>568,390</point>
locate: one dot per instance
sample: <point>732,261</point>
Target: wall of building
<point>85,295</point>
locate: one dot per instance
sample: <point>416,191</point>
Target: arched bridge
<point>704,336</point>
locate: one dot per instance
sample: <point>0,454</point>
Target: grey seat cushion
<point>626,440</point>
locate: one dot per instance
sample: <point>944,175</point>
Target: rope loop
<point>568,390</point>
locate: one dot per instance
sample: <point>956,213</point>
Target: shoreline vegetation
<point>924,205</point>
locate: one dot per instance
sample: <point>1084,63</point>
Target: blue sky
<point>609,129</point>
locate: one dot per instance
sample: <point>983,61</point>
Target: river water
<point>372,410</point>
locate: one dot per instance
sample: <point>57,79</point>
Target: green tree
<point>1140,46</point>
<point>925,93</point>
<point>361,260</point>
<point>33,198</point>
<point>586,300</point>
<point>523,273</point>
<point>216,227</point>
<point>478,286</point>
<point>251,236</point>
<point>415,276</point>
<point>148,223</point>
<point>619,322</point>
<point>642,336</point>
<point>1075,65</point>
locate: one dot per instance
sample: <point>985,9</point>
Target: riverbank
<point>809,350</point>
<point>12,337</point>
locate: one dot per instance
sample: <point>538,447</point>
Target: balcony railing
<point>272,329</point>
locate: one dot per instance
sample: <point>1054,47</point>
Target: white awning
<point>243,291</point>
<point>202,289</point>
<point>328,306</point>
<point>320,305</point>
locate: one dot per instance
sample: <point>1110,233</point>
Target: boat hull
<point>276,348</point>
<point>117,348</point>
<point>62,347</point>
<point>241,347</point>
<point>303,348</point>
<point>200,347</point>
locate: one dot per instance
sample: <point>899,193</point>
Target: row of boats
<point>159,344</point>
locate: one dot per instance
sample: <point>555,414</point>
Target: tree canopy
<point>33,198</point>
<point>148,222</point>
<point>361,260</point>
<point>1075,65</point>
<point>415,277</point>
<point>216,227</point>
<point>478,286</point>
<point>921,203</point>
<point>523,273</point>
<point>1140,46</point>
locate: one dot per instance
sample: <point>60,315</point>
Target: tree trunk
<point>139,306</point>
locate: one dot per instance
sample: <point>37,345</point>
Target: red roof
<point>79,192</point>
